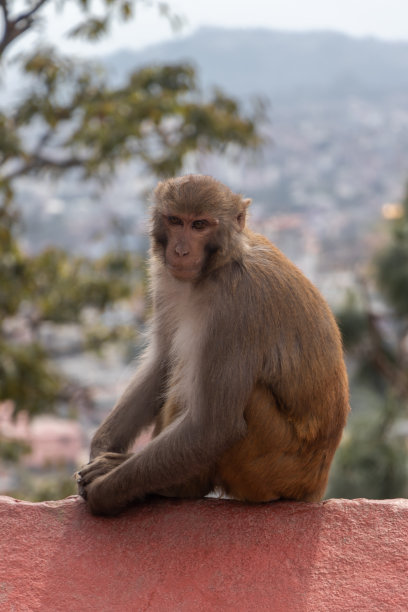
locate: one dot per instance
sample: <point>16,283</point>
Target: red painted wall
<point>204,555</point>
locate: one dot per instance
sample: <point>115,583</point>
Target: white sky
<point>386,19</point>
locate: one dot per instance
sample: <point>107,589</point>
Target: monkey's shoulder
<point>266,288</point>
<point>265,269</point>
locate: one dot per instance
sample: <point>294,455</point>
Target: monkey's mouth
<point>184,272</point>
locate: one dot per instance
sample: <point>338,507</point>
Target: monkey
<point>243,376</point>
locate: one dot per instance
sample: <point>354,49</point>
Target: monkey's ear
<point>241,218</point>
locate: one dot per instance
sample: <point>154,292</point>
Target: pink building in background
<point>53,440</point>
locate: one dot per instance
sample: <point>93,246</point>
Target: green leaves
<point>91,29</point>
<point>9,141</point>
<point>27,377</point>
<point>392,264</point>
<point>158,116</point>
<point>55,287</point>
<point>372,460</point>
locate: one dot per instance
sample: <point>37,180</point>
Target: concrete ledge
<point>204,555</point>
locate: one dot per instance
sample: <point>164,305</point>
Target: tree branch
<point>38,162</point>
<point>4,8</point>
<point>31,12</point>
<point>395,375</point>
<point>13,28</point>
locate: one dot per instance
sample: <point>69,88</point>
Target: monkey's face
<point>187,246</point>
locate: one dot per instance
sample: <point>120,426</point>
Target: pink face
<point>187,237</point>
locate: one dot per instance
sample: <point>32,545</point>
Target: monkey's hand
<point>102,486</point>
<point>101,465</point>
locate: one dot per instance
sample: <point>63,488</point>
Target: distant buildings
<point>53,441</point>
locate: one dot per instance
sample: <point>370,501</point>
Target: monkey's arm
<point>136,409</point>
<point>193,442</point>
<point>178,454</point>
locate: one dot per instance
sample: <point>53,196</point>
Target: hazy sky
<point>382,18</point>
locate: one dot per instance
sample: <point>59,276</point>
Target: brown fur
<point>243,377</point>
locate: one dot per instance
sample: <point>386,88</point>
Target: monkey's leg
<point>168,413</point>
<point>271,462</point>
<point>196,487</point>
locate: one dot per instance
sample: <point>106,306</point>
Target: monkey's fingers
<point>88,473</point>
<point>80,485</point>
<point>99,467</point>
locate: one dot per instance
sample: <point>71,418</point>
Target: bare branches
<point>15,27</point>
<point>32,11</point>
<point>4,8</point>
<point>39,162</point>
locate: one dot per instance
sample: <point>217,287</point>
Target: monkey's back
<point>300,343</point>
<point>299,402</point>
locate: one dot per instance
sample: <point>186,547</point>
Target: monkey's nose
<point>181,250</point>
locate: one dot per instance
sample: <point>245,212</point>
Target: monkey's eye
<point>174,220</point>
<point>200,224</point>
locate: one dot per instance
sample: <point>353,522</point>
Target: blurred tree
<point>79,120</point>
<point>372,460</point>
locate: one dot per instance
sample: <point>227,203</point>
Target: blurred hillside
<point>285,66</point>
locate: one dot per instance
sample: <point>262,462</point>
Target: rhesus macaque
<point>243,375</point>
